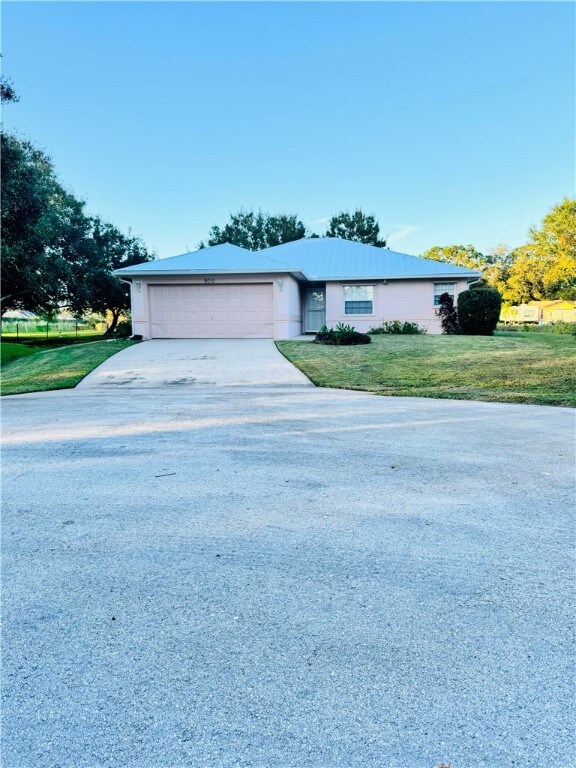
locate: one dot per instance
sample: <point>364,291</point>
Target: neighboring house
<point>540,312</point>
<point>281,292</point>
<point>553,311</point>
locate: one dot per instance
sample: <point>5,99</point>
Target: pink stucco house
<point>288,290</point>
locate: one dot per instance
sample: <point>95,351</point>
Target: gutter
<point>298,274</point>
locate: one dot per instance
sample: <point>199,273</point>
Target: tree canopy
<point>53,253</point>
<point>356,226</point>
<point>461,255</point>
<point>543,268</point>
<point>256,231</point>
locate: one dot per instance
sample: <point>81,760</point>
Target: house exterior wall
<point>403,300</point>
<point>287,315</point>
<point>411,300</point>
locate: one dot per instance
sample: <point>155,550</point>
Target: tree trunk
<point>115,317</point>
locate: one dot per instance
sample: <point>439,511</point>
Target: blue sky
<point>451,122</point>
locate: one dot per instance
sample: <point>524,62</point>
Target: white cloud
<point>403,230</point>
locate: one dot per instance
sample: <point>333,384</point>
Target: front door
<point>314,309</point>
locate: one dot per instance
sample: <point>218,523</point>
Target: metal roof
<point>323,258</point>
<point>218,258</point>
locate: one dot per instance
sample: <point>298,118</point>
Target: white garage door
<point>242,311</point>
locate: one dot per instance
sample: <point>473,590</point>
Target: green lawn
<point>508,367</point>
<point>9,352</point>
<point>61,368</point>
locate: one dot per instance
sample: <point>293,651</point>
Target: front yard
<point>537,368</point>
<point>36,370</point>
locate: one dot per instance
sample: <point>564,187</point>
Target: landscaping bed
<point>515,368</point>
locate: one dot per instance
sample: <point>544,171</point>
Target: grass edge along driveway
<point>536,368</point>
<point>60,368</point>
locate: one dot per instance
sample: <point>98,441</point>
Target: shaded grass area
<point>513,368</point>
<point>59,368</point>
<point>9,352</point>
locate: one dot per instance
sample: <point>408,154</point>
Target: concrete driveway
<point>197,363</point>
<point>285,578</point>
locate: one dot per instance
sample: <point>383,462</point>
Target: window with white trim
<point>358,299</point>
<point>440,288</point>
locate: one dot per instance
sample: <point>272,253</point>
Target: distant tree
<point>460,255</point>
<point>448,314</point>
<point>256,231</point>
<point>356,226</point>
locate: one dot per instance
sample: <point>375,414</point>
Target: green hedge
<point>479,311</point>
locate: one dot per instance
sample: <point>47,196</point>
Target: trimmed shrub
<point>448,314</point>
<point>397,326</point>
<point>342,335</point>
<point>479,311</point>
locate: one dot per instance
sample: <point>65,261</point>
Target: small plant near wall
<point>448,314</point>
<point>342,335</point>
<point>123,330</point>
<point>479,311</point>
<point>397,326</point>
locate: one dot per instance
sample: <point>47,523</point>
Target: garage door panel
<point>212,311</point>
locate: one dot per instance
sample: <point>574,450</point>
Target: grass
<point>38,370</point>
<point>511,368</point>
<point>9,352</point>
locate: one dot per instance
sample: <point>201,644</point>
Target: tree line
<point>258,230</point>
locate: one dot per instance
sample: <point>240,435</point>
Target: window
<point>439,289</point>
<point>358,299</point>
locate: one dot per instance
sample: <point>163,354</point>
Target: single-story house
<point>287,290</point>
<point>551,311</point>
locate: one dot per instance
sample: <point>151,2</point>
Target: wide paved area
<point>197,363</point>
<point>285,578</point>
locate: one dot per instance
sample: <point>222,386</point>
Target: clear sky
<point>451,122</point>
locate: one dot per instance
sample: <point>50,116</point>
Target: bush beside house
<point>479,311</point>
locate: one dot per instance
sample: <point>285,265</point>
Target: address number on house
<point>210,280</point>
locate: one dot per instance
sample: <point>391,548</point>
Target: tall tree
<point>544,268</point>
<point>108,250</point>
<point>53,254</point>
<point>554,243</point>
<point>7,92</point>
<point>38,215</point>
<point>356,226</point>
<point>256,231</point>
